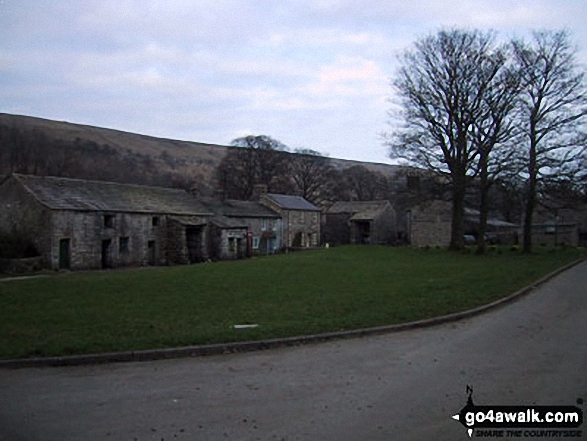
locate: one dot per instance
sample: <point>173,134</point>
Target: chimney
<point>258,191</point>
<point>194,191</point>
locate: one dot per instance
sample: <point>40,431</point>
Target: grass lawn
<point>301,293</point>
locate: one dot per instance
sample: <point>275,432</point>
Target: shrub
<point>13,246</point>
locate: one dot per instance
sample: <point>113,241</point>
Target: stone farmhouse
<point>360,222</point>
<point>300,219</point>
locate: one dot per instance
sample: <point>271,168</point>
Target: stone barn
<point>360,222</point>
<point>78,224</point>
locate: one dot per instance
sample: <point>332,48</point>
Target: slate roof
<point>226,223</point>
<point>235,208</point>
<point>292,202</point>
<point>81,195</point>
<point>473,216</point>
<point>360,210</point>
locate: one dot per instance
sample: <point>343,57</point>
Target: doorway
<point>64,254</point>
<point>151,252</point>
<point>106,253</point>
<point>193,237</point>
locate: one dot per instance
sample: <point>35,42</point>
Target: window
<point>264,224</point>
<point>108,221</point>
<point>315,217</point>
<point>231,242</point>
<point>123,245</point>
<point>155,221</point>
<point>256,240</point>
<point>302,216</point>
<point>270,224</point>
<point>314,239</point>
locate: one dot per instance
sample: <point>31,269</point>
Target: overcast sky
<point>310,73</point>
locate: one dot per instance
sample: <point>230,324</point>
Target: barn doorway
<point>151,252</point>
<point>362,232</point>
<point>107,253</point>
<point>64,254</point>
<point>193,237</point>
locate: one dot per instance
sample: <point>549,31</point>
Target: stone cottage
<point>80,224</point>
<point>360,222</point>
<point>263,224</point>
<point>300,219</point>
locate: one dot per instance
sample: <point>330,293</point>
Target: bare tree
<point>443,83</point>
<point>363,184</point>
<point>311,173</point>
<point>257,160</point>
<point>554,107</point>
<point>494,135</point>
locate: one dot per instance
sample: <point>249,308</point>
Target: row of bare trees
<point>304,172</point>
<point>480,112</point>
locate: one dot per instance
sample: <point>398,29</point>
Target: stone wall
<point>429,224</point>
<point>384,227</point>
<point>301,228</point>
<point>554,235</point>
<point>22,266</point>
<point>23,216</point>
<point>104,239</point>
<point>229,244</point>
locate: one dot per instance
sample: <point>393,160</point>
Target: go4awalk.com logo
<point>520,421</point>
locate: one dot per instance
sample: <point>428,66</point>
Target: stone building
<point>79,224</point>
<point>263,224</point>
<point>300,219</point>
<point>557,223</point>
<point>497,231</point>
<point>360,222</point>
<point>429,224</point>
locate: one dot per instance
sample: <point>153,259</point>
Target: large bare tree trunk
<point>458,214</point>
<point>531,193</point>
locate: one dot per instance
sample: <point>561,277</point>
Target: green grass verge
<point>303,293</point>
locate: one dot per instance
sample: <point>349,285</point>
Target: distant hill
<point>42,146</point>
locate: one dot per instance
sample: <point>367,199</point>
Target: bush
<point>13,246</point>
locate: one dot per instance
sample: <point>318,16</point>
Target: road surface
<point>402,386</point>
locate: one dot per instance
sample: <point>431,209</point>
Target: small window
<point>256,240</point>
<point>315,217</point>
<point>123,245</point>
<point>155,221</point>
<point>302,216</point>
<point>264,224</point>
<point>108,221</point>
<point>231,243</point>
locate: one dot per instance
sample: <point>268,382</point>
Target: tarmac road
<point>401,386</point>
